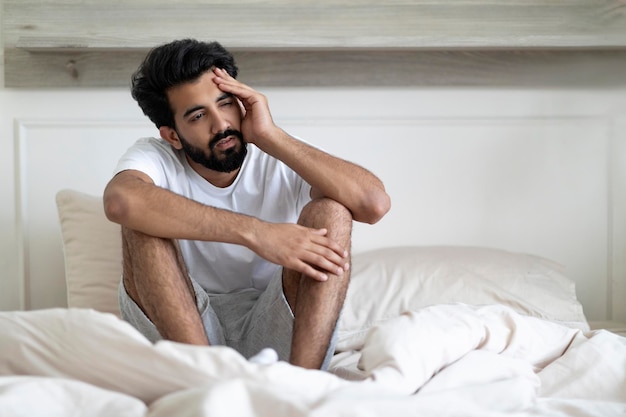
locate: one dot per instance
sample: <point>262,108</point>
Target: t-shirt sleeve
<point>150,156</point>
<point>305,195</point>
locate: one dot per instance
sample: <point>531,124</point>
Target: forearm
<point>353,186</point>
<point>155,211</point>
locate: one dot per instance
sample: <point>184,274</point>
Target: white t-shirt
<point>265,188</point>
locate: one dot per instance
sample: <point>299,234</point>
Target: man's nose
<point>220,124</point>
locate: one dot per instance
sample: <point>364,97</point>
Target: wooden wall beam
<point>95,43</point>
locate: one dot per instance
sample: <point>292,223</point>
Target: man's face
<point>208,125</point>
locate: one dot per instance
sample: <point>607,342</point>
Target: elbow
<point>116,206</point>
<point>376,206</point>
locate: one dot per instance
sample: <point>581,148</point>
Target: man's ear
<point>170,135</point>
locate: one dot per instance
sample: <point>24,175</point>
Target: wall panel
<point>536,171</point>
<point>53,155</point>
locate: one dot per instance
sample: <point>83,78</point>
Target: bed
<point>426,330</point>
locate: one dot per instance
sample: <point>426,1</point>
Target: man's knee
<point>136,243</point>
<point>324,212</point>
<point>147,257</point>
<point>144,252</point>
<point>132,237</point>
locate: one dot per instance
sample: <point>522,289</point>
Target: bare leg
<point>316,305</point>
<point>156,278</point>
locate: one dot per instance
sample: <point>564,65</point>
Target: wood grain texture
<point>347,68</point>
<point>320,24</point>
<point>96,43</point>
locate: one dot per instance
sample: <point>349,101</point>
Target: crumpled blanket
<point>442,360</point>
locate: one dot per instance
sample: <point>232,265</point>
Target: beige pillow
<point>92,249</point>
<point>385,282</point>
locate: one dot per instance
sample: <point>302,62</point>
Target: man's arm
<point>132,200</point>
<point>351,185</point>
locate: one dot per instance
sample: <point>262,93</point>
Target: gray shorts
<point>248,321</point>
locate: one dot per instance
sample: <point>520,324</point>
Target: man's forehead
<point>199,92</point>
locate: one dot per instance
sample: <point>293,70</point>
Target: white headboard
<point>539,171</point>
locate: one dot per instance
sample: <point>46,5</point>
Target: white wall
<point>528,171</point>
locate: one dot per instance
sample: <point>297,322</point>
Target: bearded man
<point>234,232</point>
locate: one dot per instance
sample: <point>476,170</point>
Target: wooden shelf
<point>98,42</point>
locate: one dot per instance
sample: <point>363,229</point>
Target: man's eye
<point>196,116</point>
<point>226,103</point>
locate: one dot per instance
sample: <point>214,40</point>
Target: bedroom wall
<point>520,170</point>
<point>533,168</point>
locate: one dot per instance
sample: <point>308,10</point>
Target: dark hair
<point>173,64</point>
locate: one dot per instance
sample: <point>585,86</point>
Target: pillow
<point>386,282</point>
<point>92,248</point>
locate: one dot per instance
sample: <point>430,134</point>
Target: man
<point>233,231</point>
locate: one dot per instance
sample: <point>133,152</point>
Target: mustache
<point>223,135</point>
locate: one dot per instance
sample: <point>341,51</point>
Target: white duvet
<point>446,360</point>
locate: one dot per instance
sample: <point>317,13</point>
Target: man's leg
<point>317,305</point>
<point>156,279</point>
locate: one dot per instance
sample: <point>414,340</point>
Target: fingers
<point>307,251</point>
<point>331,243</point>
<point>256,123</point>
<point>318,274</point>
<point>222,73</point>
<point>313,273</point>
<point>325,256</point>
<point>228,84</point>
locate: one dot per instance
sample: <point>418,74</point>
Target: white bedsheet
<point>447,360</point>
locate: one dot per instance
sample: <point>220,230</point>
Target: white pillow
<point>386,282</point>
<point>92,248</point>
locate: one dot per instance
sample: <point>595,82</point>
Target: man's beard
<point>230,160</point>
